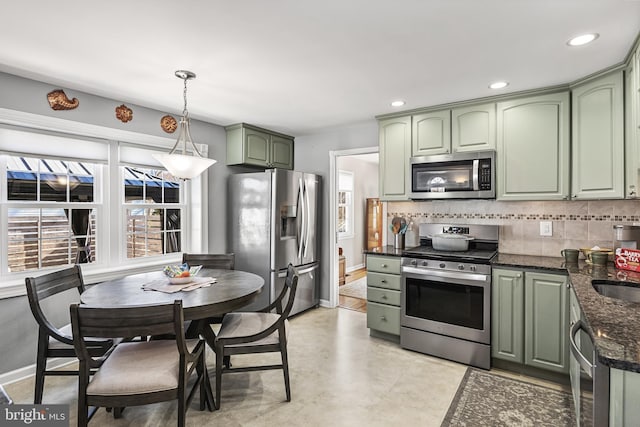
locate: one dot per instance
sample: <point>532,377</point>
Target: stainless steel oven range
<point>446,294</point>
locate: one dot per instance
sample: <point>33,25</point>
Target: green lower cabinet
<point>507,315</point>
<point>624,395</point>
<point>383,294</point>
<point>546,319</point>
<point>529,319</point>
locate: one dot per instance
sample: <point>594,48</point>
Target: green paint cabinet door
<point>395,152</point>
<point>281,155</point>
<point>547,321</point>
<point>507,315</point>
<point>624,394</point>
<point>598,139</point>
<point>632,126</point>
<point>431,133</point>
<point>473,128</point>
<point>533,148</point>
<point>256,148</point>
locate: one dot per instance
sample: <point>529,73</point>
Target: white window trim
<point>351,233</point>
<point>196,191</point>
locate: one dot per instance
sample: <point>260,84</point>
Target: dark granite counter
<point>614,324</point>
<point>384,250</point>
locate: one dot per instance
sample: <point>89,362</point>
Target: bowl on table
<point>180,280</point>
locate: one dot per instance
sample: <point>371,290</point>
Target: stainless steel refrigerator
<point>273,221</point>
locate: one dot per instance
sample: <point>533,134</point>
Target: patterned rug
<point>486,399</point>
<point>355,289</point>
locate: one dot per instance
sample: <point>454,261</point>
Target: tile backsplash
<point>576,224</point>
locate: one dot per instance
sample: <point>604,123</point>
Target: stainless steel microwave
<point>454,176</point>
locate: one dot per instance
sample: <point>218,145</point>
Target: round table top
<point>233,290</point>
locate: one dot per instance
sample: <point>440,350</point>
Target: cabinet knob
<point>518,275</point>
<point>384,319</point>
<point>568,286</point>
<point>383,281</point>
<point>383,265</point>
<point>384,296</point>
<point>575,196</point>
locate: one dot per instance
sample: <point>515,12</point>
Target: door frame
<point>333,214</point>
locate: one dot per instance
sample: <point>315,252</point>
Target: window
<point>101,203</point>
<point>153,212</point>
<point>51,212</point>
<point>345,204</point>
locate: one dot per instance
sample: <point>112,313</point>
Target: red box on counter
<point>628,259</point>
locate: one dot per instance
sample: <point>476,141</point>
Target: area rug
<point>355,289</point>
<point>486,399</point>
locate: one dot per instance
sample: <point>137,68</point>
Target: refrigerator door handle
<point>308,206</point>
<point>300,272</point>
<point>302,215</point>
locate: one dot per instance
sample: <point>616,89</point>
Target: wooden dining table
<point>232,290</point>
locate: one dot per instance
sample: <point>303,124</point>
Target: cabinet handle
<point>384,319</point>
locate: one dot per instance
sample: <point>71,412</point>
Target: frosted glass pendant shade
<point>184,166</point>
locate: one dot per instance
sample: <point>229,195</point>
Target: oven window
<point>443,177</point>
<point>449,303</point>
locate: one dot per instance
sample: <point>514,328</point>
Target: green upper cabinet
<point>632,126</point>
<point>533,148</point>
<point>431,133</point>
<point>252,146</point>
<point>473,128</point>
<point>598,138</point>
<point>395,152</point>
<point>546,321</point>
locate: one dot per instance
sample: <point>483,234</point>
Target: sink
<point>626,291</point>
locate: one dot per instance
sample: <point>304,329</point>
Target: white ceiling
<point>299,66</point>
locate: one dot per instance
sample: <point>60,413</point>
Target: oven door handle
<point>447,274</point>
<point>585,363</point>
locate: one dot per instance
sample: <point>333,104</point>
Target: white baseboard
<point>29,371</point>
<point>354,268</point>
<point>325,303</point>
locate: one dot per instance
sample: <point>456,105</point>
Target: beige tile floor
<point>340,376</point>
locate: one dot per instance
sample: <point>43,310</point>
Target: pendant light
<point>181,164</point>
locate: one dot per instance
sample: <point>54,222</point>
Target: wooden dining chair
<point>138,372</point>
<point>223,261</point>
<point>257,332</point>
<point>53,341</point>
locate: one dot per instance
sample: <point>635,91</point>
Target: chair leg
<point>285,369</point>
<point>83,410</point>
<point>41,366</point>
<point>219,358</point>
<point>182,407</point>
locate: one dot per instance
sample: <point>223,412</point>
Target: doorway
<point>354,179</point>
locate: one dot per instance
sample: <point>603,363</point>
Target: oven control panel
<point>432,264</point>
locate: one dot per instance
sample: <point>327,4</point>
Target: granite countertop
<point>613,324</point>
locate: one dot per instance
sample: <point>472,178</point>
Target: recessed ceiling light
<point>397,103</point>
<point>583,39</point>
<point>498,85</point>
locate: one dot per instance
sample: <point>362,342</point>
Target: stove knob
<point>424,263</point>
<point>460,266</point>
<point>472,268</point>
<point>443,265</point>
<point>414,262</point>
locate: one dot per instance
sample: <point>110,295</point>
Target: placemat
<point>163,285</point>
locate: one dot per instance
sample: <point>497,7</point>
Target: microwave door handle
<point>476,184</point>
<point>585,363</point>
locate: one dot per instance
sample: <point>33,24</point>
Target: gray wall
<point>312,155</point>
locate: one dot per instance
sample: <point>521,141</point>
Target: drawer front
<point>381,280</point>
<point>383,264</point>
<point>383,296</point>
<point>384,318</point>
